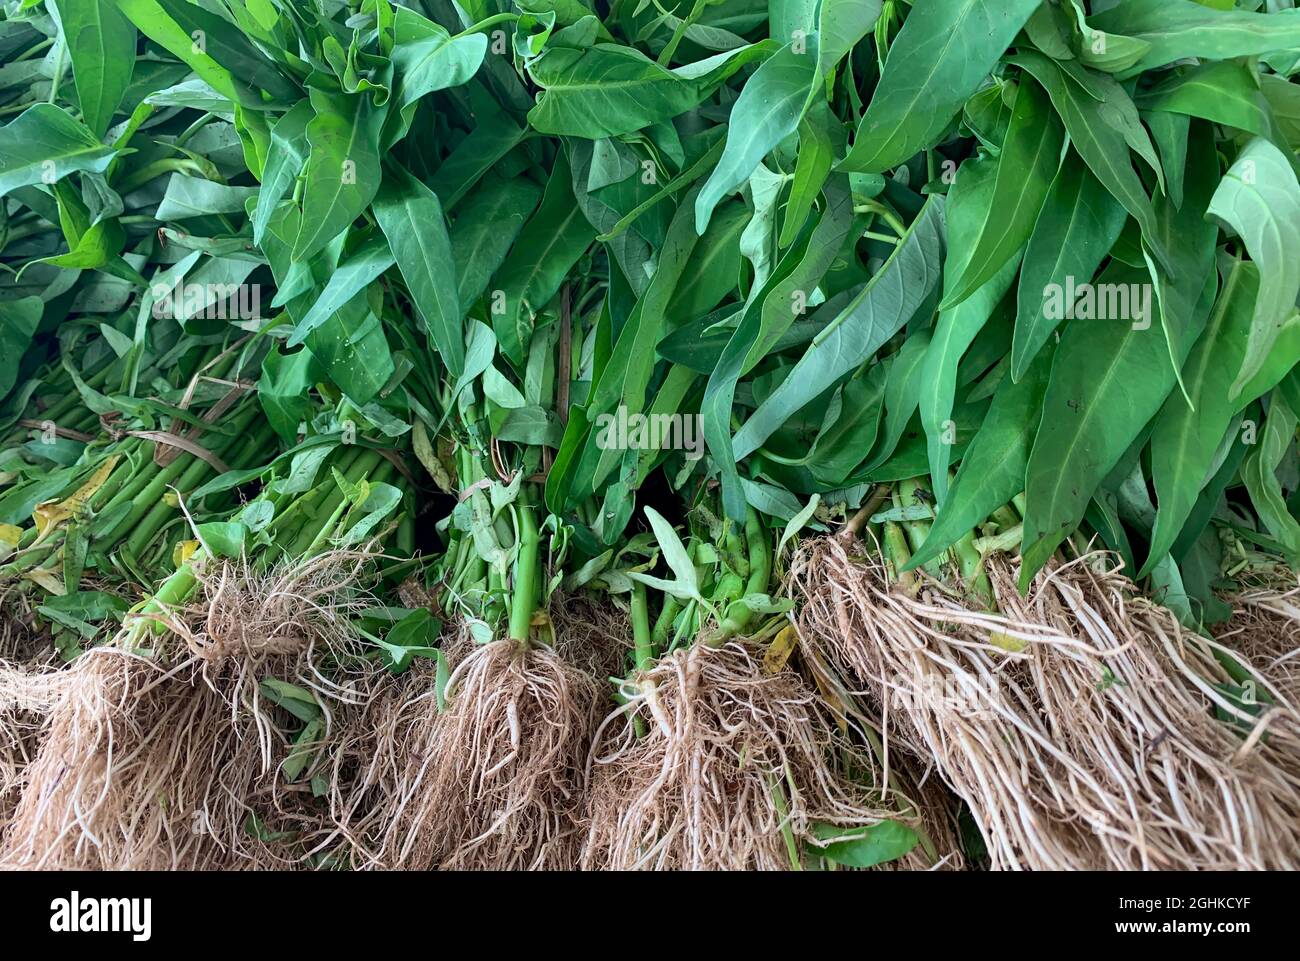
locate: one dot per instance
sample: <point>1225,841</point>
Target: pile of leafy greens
<point>1041,252</point>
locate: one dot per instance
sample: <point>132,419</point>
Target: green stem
<point>739,614</point>
<point>897,555</point>
<point>644,644</point>
<point>488,23</point>
<point>523,600</point>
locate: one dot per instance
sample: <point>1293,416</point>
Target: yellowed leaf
<point>48,581</point>
<point>9,537</point>
<point>426,455</point>
<point>779,651</point>
<point>51,514</point>
<point>183,551</point>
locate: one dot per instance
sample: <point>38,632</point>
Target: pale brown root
<point>496,780</point>
<point>166,758</point>
<point>1093,745</point>
<point>594,636</point>
<point>909,783</point>
<point>27,695</point>
<point>733,770</point>
<point>1265,630</point>
<point>28,679</point>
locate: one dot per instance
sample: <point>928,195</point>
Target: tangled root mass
<point>1084,727</point>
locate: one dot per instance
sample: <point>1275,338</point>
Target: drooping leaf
<point>1027,164</point>
<point>945,49</point>
<point>1190,430</point>
<point>342,174</point>
<point>1109,379</point>
<point>43,145</point>
<point>1079,223</point>
<point>1176,29</point>
<point>767,111</point>
<point>886,303</point>
<point>1259,198</point>
<point>411,218</point>
<point>1097,140</point>
<point>547,247</point>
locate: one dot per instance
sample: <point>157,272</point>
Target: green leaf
<point>878,312</point>
<point>767,111</point>
<point>1259,471</point>
<point>764,321</point>
<point>195,197</point>
<point>1226,93</point>
<point>1030,157</point>
<point>43,144</point>
<point>1079,223</point>
<point>222,538</point>
<point>813,166</point>
<point>1184,231</point>
<point>903,389</point>
<point>351,278</point>
<point>866,846</point>
<point>941,56</point>
<point>1102,145</point>
<point>850,427</point>
<point>298,701</point>
<point>18,322</point>
<point>284,162</point>
<point>94,249</point>
<point>1259,198</point>
<point>214,47</point>
<point>487,225</point>
<point>840,25</point>
<point>1189,432</point>
<point>350,346</point>
<point>992,469</point>
<point>101,44</point>
<point>970,206</point>
<point>1109,379</point>
<point>1169,131</point>
<point>342,174</point>
<point>154,21</point>
<point>434,62</point>
<point>1111,52</point>
<point>679,561</point>
<point>413,636</point>
<point>607,90</point>
<point>714,268</point>
<point>546,249</point>
<point>1177,29</point>
<point>411,218</point>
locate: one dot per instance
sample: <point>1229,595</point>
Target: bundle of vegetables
<point>719,755</point>
<point>1040,251</point>
<point>485,744</point>
<point>1083,724</point>
<point>111,514</point>
<point>251,652</point>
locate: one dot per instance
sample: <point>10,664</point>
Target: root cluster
<point>169,757</point>
<point>1083,726</point>
<point>1265,630</point>
<point>494,780</point>
<point>27,695</point>
<point>733,771</point>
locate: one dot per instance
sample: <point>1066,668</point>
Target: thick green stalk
<point>642,640</point>
<point>523,595</point>
<point>739,615</point>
